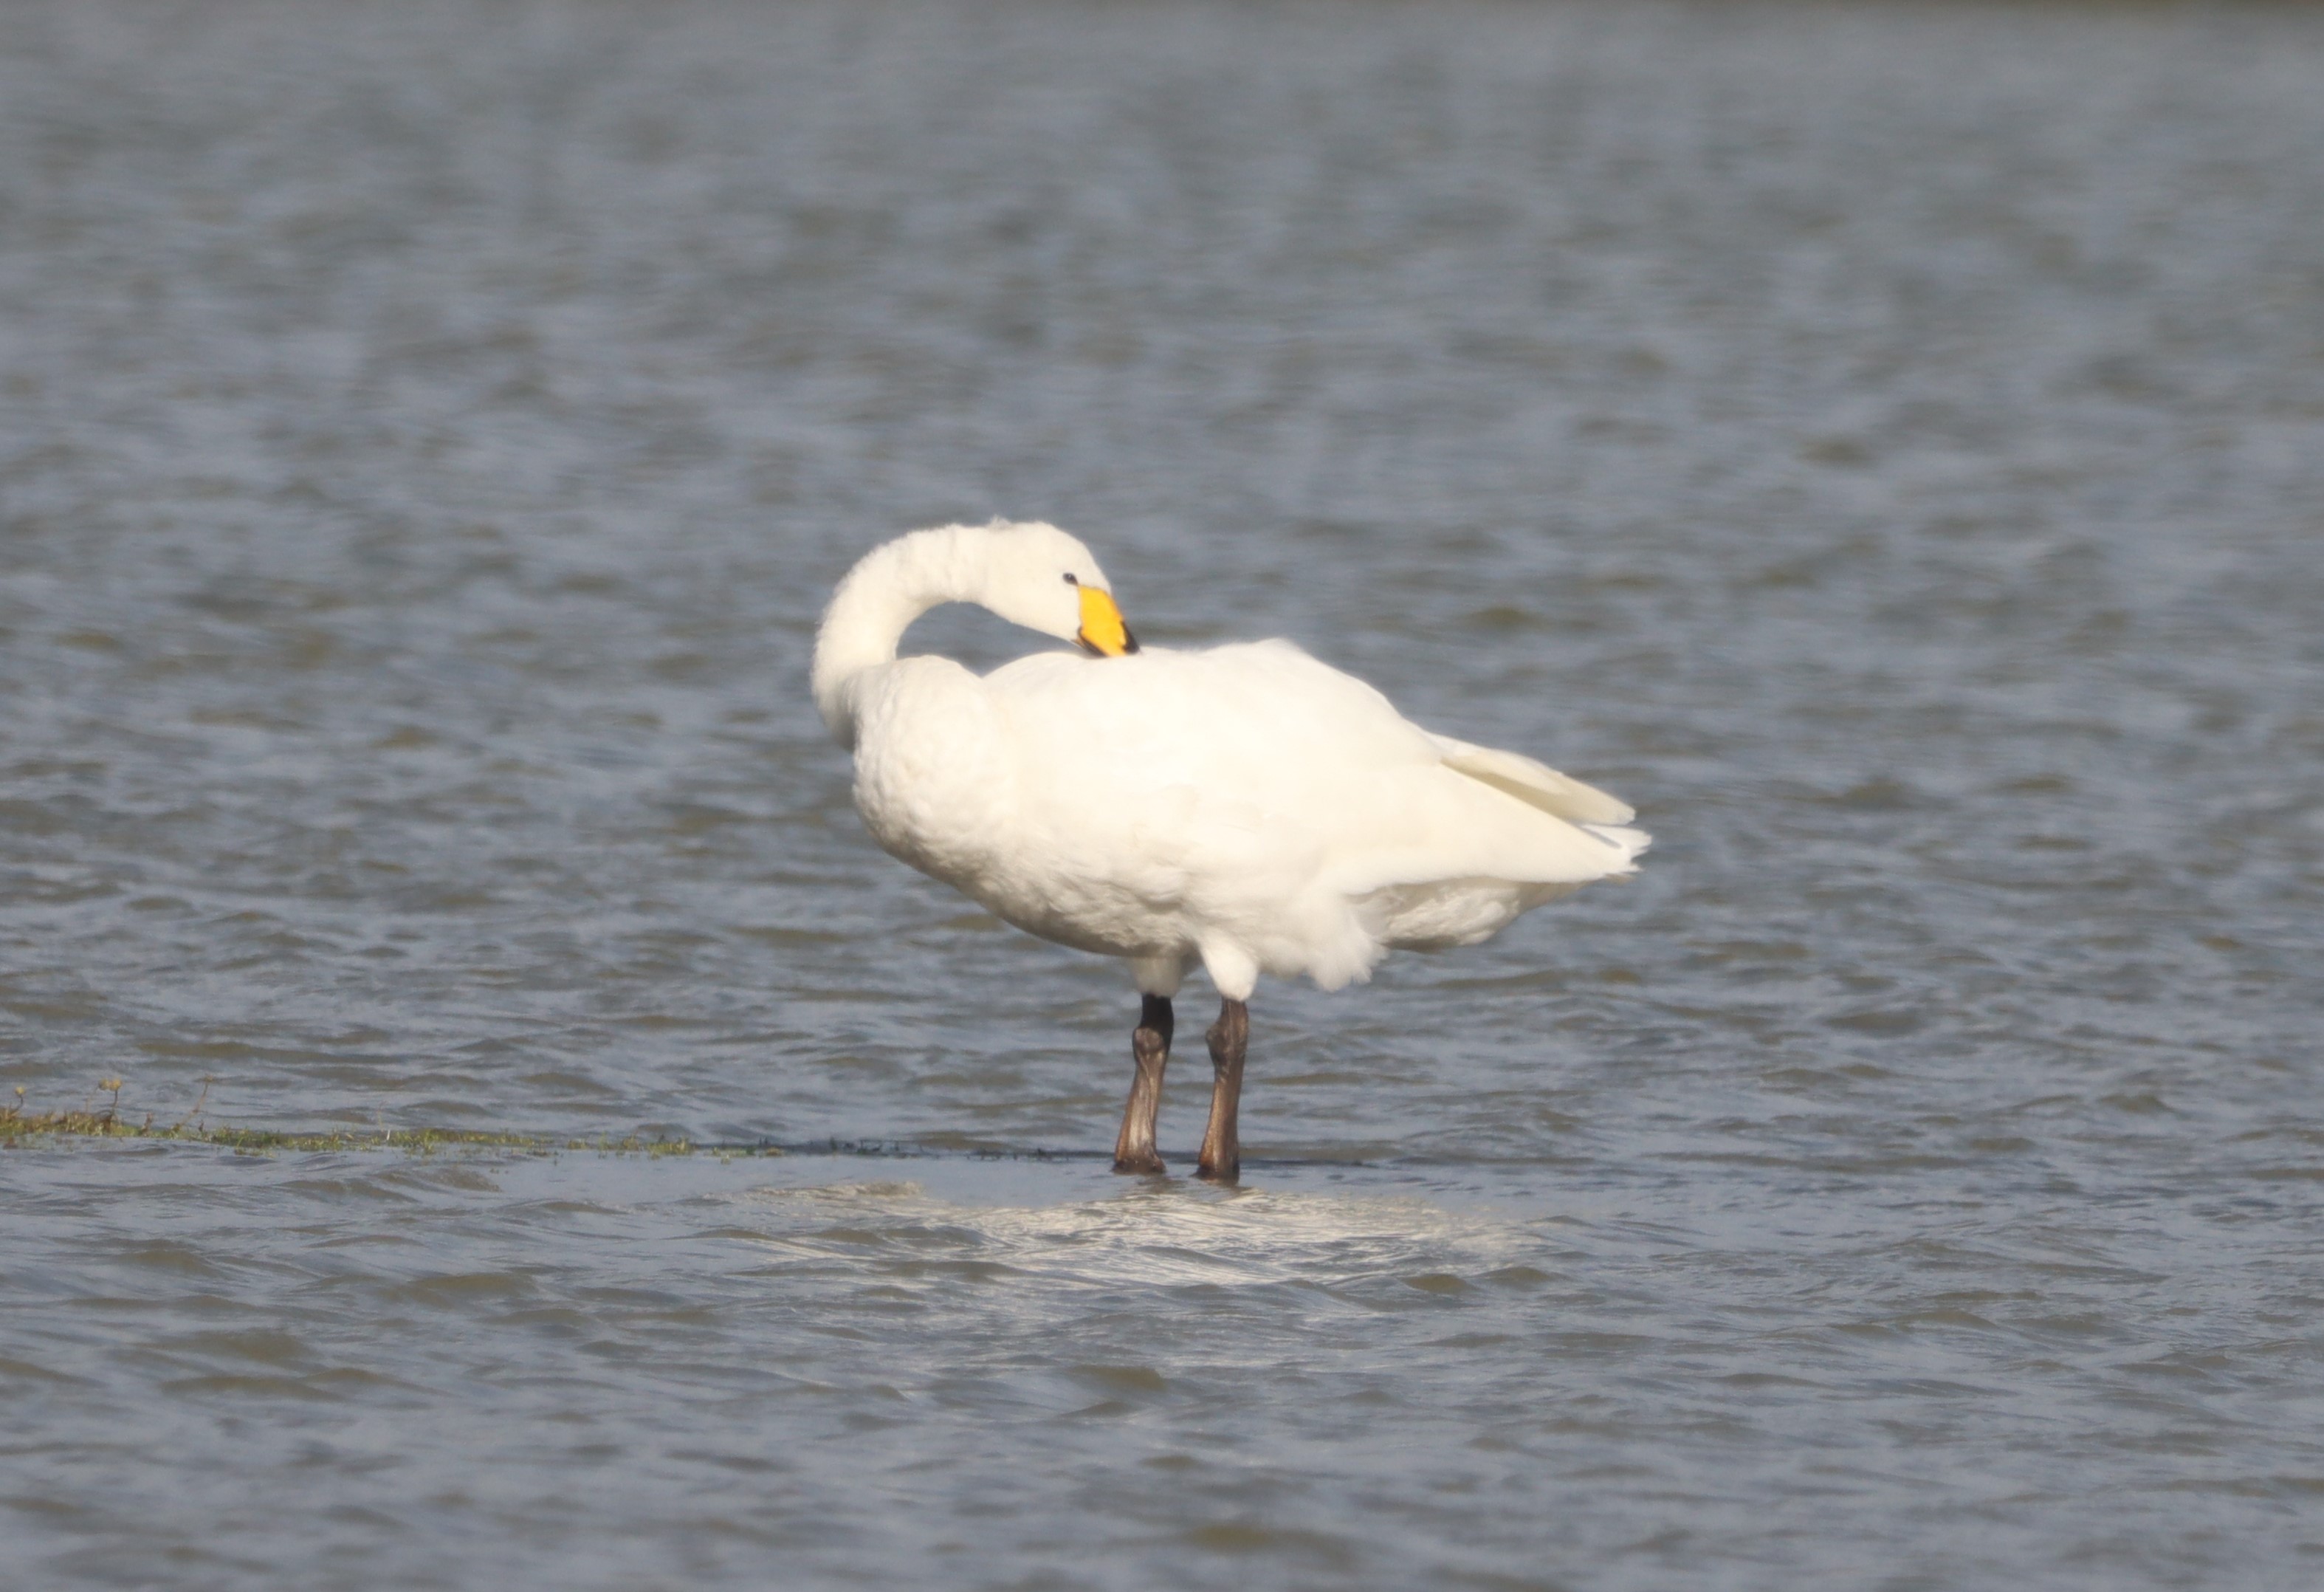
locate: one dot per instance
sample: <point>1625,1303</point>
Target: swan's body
<point>1245,807</point>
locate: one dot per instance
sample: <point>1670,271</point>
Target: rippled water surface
<point>1886,443</point>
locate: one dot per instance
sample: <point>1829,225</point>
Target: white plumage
<point>1245,806</point>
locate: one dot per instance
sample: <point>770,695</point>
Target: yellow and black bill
<point>1103,634</point>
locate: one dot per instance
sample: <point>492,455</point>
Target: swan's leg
<point>1221,1152</point>
<point>1150,1047</point>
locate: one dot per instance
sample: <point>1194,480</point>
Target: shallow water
<point>1886,443</point>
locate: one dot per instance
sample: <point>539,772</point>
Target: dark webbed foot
<point>1149,1048</point>
<point>1221,1157</point>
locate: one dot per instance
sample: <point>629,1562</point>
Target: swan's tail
<point>1603,817</point>
<point>1631,843</point>
<point>1493,859</point>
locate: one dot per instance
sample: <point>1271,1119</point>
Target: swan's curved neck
<point>889,586</point>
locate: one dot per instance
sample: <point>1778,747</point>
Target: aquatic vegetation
<point>19,1124</point>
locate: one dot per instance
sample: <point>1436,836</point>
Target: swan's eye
<point>1071,581</point>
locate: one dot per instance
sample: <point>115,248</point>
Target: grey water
<point>1886,442</point>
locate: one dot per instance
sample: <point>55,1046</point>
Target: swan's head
<point>1037,576</point>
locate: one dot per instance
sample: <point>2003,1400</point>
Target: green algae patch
<point>20,1125</point>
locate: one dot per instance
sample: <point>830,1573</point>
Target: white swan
<point>1244,806</point>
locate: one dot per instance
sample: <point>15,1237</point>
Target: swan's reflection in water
<point>1153,1237</point>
